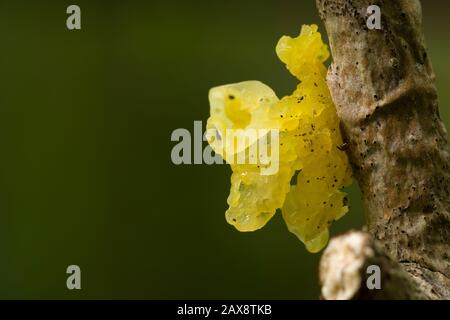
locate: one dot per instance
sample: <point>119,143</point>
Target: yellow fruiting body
<point>309,137</point>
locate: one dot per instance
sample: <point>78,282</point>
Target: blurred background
<point>85,170</point>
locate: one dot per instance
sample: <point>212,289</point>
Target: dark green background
<point>85,170</point>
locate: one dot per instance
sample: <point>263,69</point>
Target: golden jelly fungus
<point>311,167</point>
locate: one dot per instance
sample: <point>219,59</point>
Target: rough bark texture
<point>382,84</point>
<point>344,268</point>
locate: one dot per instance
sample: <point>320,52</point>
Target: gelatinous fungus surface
<point>312,165</point>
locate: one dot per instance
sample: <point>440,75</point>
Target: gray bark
<point>382,84</point>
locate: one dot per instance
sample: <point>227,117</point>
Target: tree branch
<point>382,84</point>
<point>344,265</point>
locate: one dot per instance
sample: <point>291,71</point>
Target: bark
<point>382,84</point>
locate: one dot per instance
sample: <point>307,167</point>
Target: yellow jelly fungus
<point>311,167</point>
